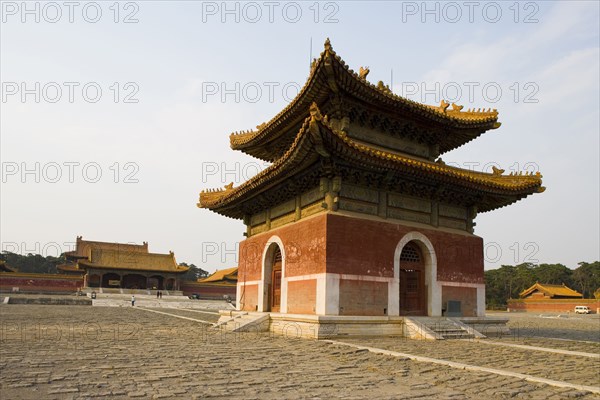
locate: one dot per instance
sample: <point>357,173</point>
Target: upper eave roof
<point>330,74</point>
<point>84,247</point>
<point>317,137</point>
<point>113,259</point>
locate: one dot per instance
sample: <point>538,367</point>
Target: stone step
<point>459,336</point>
<point>449,331</point>
<point>446,328</point>
<point>243,322</point>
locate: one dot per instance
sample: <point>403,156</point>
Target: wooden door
<point>413,292</point>
<point>276,289</point>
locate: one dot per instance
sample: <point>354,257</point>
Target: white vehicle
<point>582,310</point>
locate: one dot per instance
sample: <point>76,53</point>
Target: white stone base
<point>334,326</point>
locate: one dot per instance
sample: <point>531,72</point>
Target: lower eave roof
<point>141,268</point>
<point>317,138</point>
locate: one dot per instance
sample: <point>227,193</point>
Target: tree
<point>586,278</point>
<point>503,284</point>
<point>33,263</point>
<point>193,273</point>
<point>525,276</point>
<point>555,274</point>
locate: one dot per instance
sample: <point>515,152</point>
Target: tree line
<point>38,264</point>
<point>508,281</point>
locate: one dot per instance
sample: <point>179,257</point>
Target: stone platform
<point>328,326</point>
<point>114,291</point>
<point>150,301</point>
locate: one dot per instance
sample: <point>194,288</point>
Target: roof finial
<point>497,171</point>
<point>456,107</point>
<point>327,44</point>
<point>444,105</point>
<point>363,72</point>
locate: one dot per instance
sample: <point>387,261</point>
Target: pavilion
<point>358,215</point>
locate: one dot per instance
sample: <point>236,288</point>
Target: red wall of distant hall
<point>39,283</point>
<point>549,305</point>
<point>207,291</point>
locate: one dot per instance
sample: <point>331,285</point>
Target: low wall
<point>39,283</point>
<point>50,301</point>
<point>206,291</point>
<point>552,305</point>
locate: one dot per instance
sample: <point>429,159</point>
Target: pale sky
<point>115,115</point>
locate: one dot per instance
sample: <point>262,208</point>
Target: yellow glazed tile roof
<point>230,273</point>
<point>551,291</point>
<point>102,258</point>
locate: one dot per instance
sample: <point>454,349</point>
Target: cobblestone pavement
<point>62,352</point>
<point>565,326</point>
<point>570,345</point>
<point>209,316</point>
<point>567,368</point>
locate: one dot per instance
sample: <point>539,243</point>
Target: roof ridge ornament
<point>444,105</point>
<point>313,65</point>
<point>384,88</point>
<point>315,113</point>
<point>497,171</point>
<point>456,107</point>
<point>363,72</point>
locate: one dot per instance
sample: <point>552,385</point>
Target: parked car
<point>582,310</point>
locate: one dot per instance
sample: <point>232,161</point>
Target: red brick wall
<point>363,297</point>
<point>304,249</point>
<point>40,283</point>
<point>366,247</point>
<point>249,298</point>
<point>347,245</point>
<point>559,306</point>
<point>466,296</point>
<point>302,296</point>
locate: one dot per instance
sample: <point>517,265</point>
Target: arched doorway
<point>413,290</point>
<point>134,281</point>
<point>170,284</point>
<point>273,291</point>
<point>111,280</point>
<point>93,281</point>
<point>155,282</point>
<point>427,282</point>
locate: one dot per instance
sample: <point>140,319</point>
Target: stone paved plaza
<point>71,352</point>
